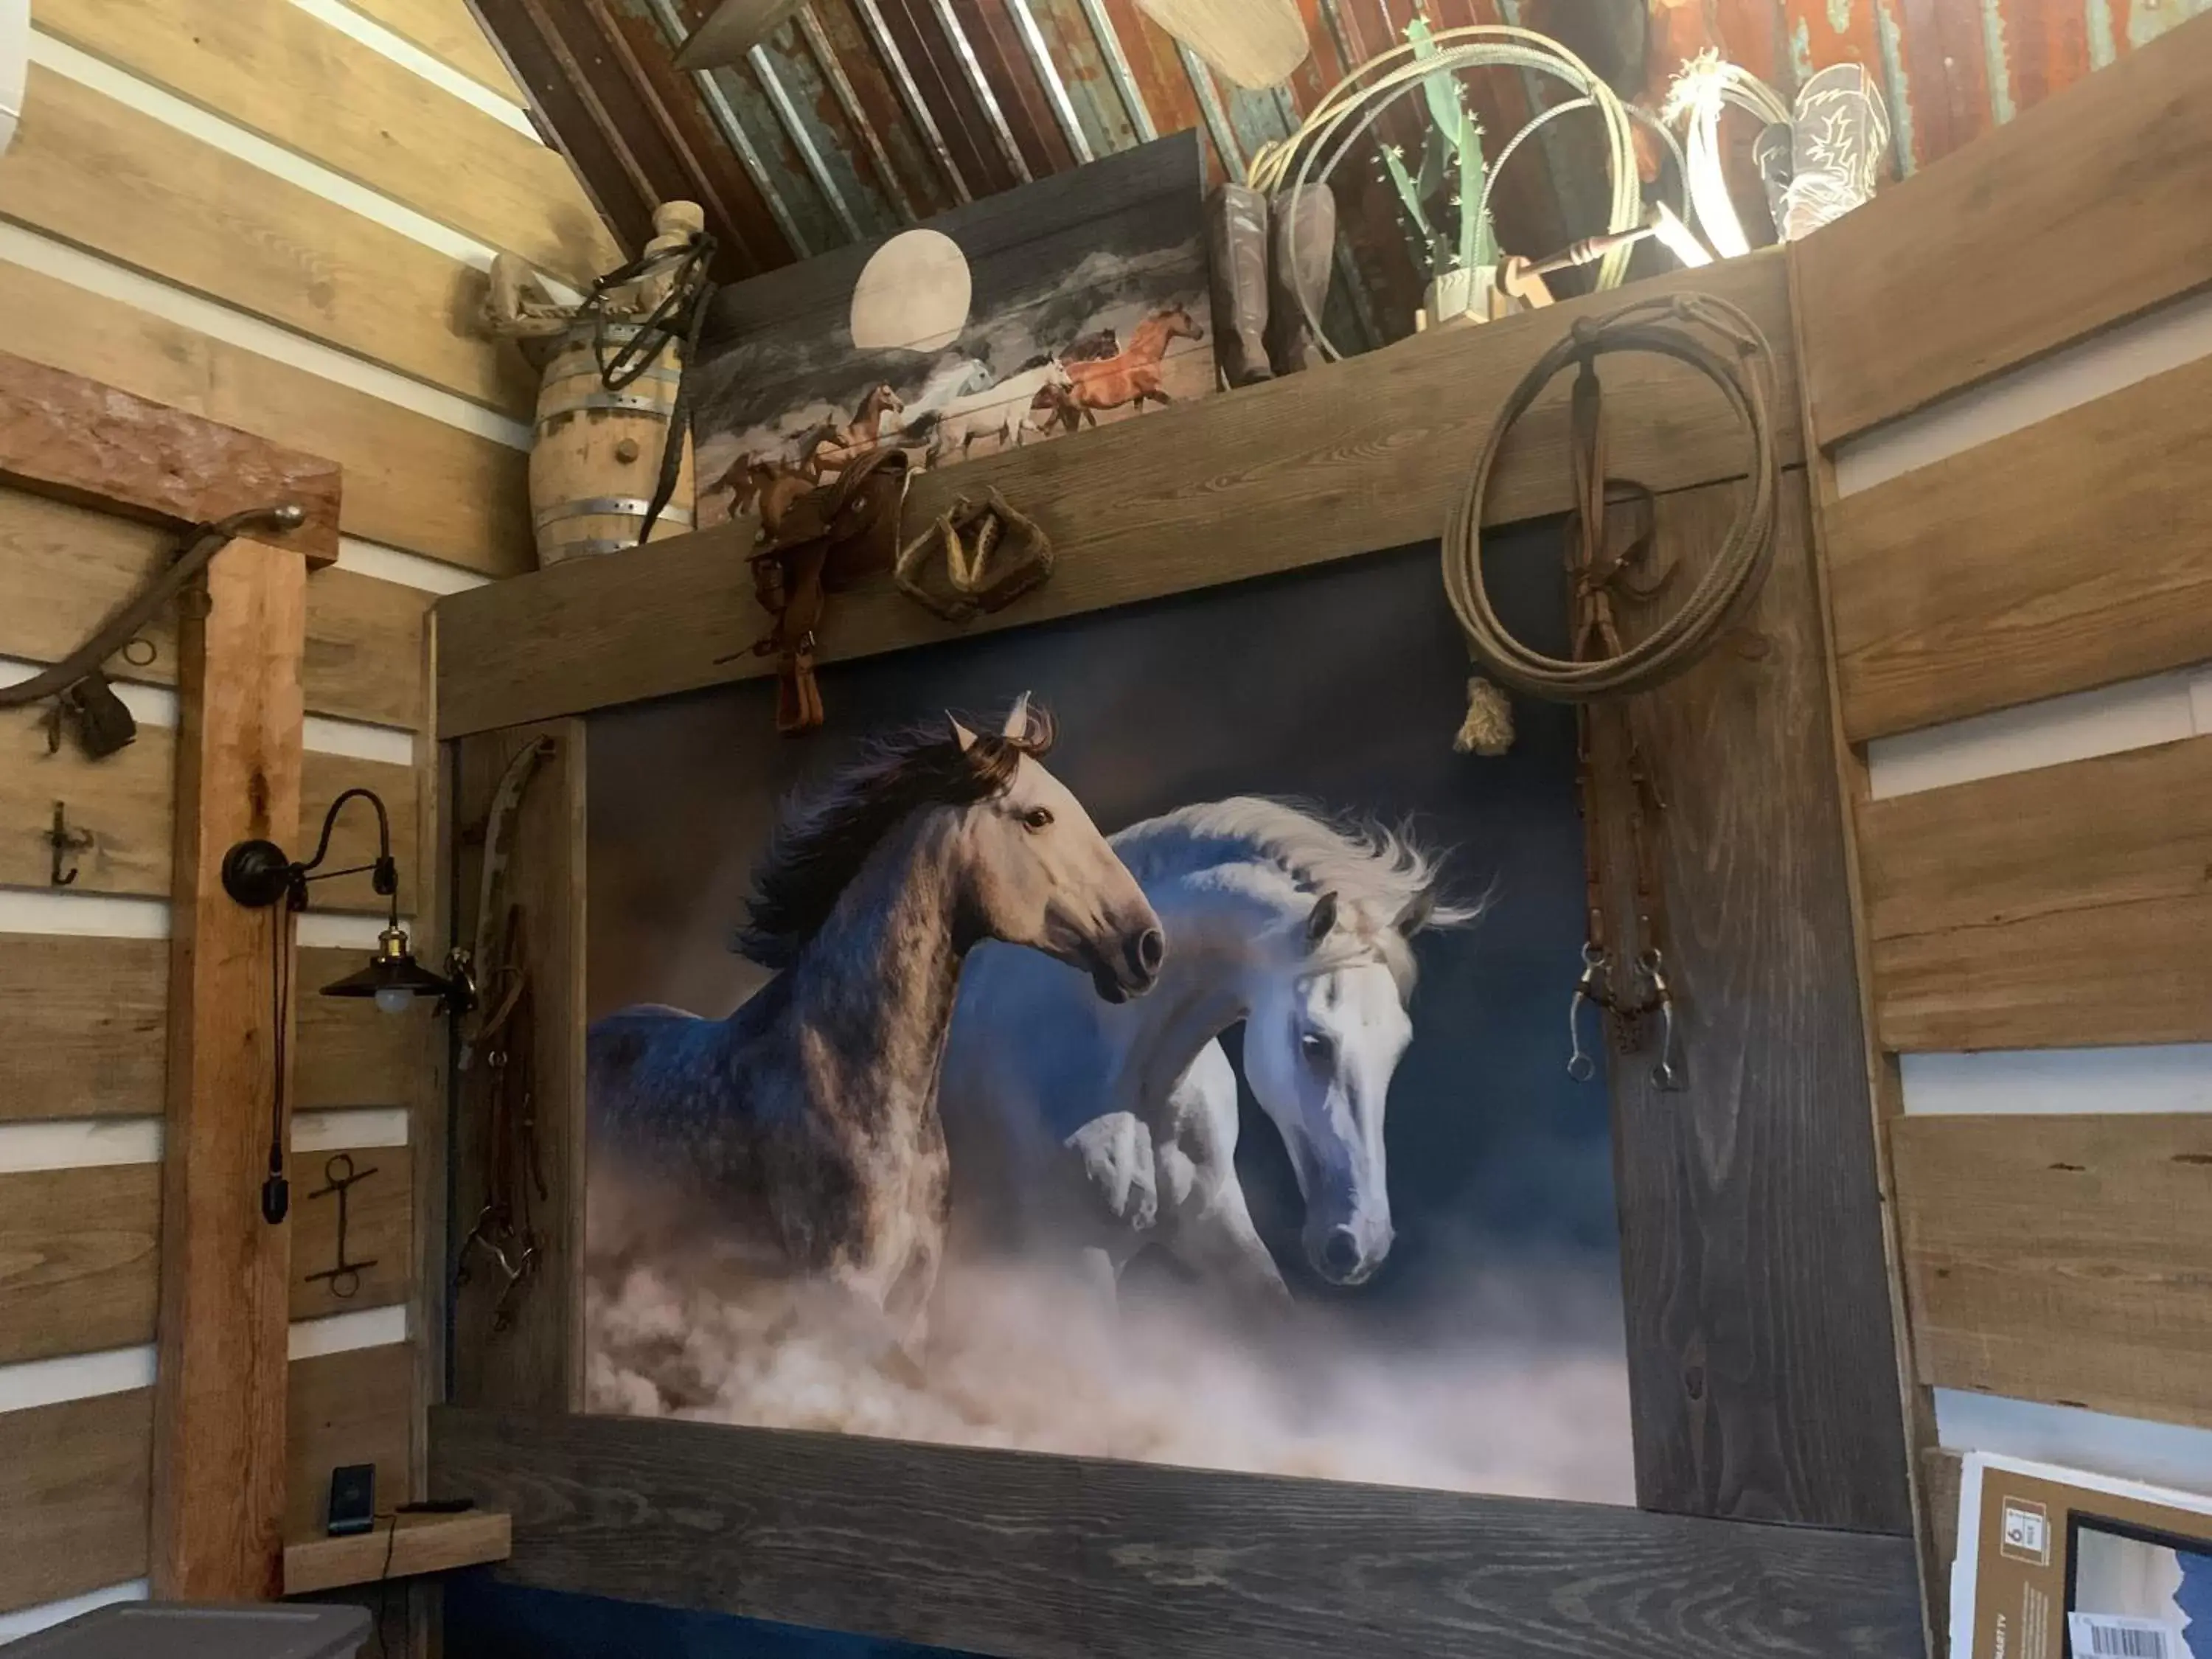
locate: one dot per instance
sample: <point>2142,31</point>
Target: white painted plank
<point>2128,1448</point>
<point>372,1328</point>
<point>79,1144</point>
<point>391,564</point>
<point>2173,1077</point>
<point>2133,714</point>
<point>36,1383</point>
<point>92,1143</point>
<point>2177,332</point>
<point>83,915</point>
<point>409,56</point>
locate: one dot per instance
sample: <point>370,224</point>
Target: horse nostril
<point>1149,952</point>
<point>1340,1251</point>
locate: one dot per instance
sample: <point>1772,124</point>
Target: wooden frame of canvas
<point>1764,1381</point>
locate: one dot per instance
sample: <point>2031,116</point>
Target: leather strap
<point>829,541</point>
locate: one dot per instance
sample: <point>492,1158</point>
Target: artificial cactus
<point>1453,146</point>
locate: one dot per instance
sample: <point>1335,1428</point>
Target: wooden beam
<point>1945,278</point>
<point>2065,556</point>
<point>1048,1557</point>
<point>1885,1083</point>
<point>85,1018</point>
<point>537,1363</point>
<point>1364,455</point>
<point>1762,1366</point>
<point>2060,1259</point>
<point>400,1547</point>
<point>219,1418</point>
<point>2064,906</point>
<point>62,434</point>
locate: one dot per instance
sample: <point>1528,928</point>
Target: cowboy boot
<point>1237,246</point>
<point>1304,248</point>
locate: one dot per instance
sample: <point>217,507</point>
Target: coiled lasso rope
<point>1723,344</point>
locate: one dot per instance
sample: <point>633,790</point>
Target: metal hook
<point>66,843</point>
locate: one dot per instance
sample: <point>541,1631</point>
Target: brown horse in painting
<point>801,1135</point>
<point>1134,376</point>
<point>830,447</point>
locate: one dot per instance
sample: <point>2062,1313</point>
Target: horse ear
<point>1018,719</point>
<point>1322,920</point>
<point>961,734</point>
<point>1419,908</point>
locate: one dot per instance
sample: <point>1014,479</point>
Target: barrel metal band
<point>645,407</point>
<point>625,507</point>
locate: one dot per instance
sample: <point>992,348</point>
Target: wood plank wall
<point>244,210</point>
<point>2016,493</point>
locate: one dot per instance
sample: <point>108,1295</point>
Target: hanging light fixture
<point>261,876</point>
<point>258,874</point>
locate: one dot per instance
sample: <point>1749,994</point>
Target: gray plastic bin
<point>155,1630</point>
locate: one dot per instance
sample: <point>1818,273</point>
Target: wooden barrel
<point>596,455</point>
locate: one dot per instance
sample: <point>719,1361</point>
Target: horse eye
<point>1036,817</point>
<point>1317,1049</point>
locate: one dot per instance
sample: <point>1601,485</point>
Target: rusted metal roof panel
<point>864,115</point>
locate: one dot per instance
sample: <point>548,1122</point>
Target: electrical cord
<point>1742,367</point>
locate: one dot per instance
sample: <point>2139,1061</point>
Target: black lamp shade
<point>393,967</point>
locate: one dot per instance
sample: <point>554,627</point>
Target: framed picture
<point>1328,1345</point>
<point>1074,302</point>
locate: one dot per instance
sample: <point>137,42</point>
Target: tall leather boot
<point>1237,246</point>
<point>1303,246</point>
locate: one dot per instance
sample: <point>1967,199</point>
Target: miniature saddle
<point>813,545</point>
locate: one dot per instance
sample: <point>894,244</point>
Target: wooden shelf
<point>1362,455</point>
<point>423,1543</point>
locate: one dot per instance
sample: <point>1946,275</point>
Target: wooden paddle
<point>1255,43</point>
<point>733,30</point>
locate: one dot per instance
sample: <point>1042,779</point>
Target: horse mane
<point>824,836</point>
<point>1374,869</point>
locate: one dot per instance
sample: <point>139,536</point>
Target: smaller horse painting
<point>1075,318</point>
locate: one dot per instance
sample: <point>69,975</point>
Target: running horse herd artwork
<point>1100,1073</point>
<point>1066,314</point>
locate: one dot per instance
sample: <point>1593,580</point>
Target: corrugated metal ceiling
<point>862,116</point>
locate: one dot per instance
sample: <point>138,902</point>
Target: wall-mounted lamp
<point>259,875</point>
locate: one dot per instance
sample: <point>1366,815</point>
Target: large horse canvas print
<point>1069,303</point>
<point>1140,1036</point>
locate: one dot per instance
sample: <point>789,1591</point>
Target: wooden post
<point>219,1466</point>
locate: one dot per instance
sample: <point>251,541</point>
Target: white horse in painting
<point>956,377</point>
<point>1001,411</point>
<point>1104,1130</point>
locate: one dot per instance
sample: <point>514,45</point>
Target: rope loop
<point>1682,326</point>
